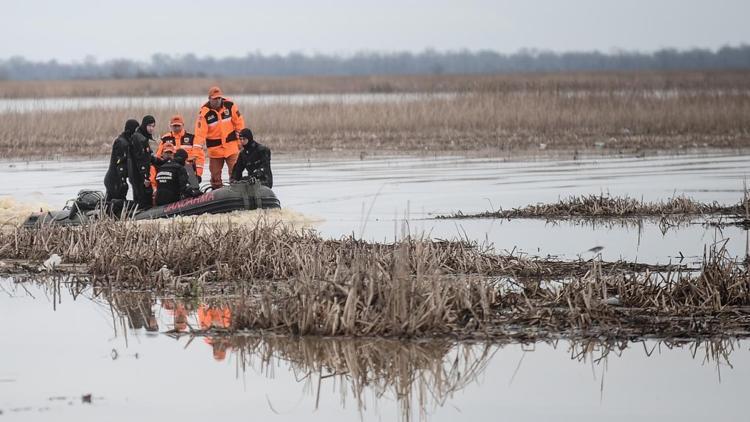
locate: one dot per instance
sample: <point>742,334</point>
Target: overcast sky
<point>72,29</point>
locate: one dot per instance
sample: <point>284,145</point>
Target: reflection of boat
<point>89,206</point>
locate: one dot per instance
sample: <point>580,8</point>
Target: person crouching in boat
<point>116,179</point>
<point>255,158</point>
<point>172,179</point>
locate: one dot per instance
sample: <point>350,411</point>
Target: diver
<point>255,158</point>
<point>115,181</point>
<point>172,182</point>
<point>139,163</point>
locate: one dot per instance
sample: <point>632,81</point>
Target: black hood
<point>180,156</point>
<point>130,126</point>
<point>147,120</point>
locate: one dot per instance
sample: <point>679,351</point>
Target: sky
<point>71,30</point>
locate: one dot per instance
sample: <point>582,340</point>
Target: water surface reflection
<point>138,356</point>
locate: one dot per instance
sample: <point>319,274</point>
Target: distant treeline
<point>368,63</point>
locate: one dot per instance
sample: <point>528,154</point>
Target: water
<point>57,349</point>
<point>134,356</point>
<point>381,199</point>
<point>52,104</point>
<point>27,105</point>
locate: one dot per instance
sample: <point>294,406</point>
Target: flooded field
<point>99,356</point>
<point>86,353</point>
<point>379,199</point>
<point>27,105</point>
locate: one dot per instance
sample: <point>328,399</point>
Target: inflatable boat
<point>90,205</point>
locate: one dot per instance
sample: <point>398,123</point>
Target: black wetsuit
<point>256,159</point>
<point>172,183</point>
<point>116,179</point>
<point>139,168</point>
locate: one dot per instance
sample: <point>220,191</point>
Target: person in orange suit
<point>218,125</point>
<point>181,139</point>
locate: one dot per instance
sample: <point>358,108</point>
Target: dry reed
<point>614,113</point>
<point>605,206</point>
<point>529,82</point>
<point>297,283</point>
<point>133,253</point>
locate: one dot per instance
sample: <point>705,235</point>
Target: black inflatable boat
<point>90,205</point>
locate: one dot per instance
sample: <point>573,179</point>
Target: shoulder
<point>229,104</point>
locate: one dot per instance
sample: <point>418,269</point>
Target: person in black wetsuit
<point>255,158</point>
<point>172,180</point>
<point>140,163</point>
<point>116,179</point>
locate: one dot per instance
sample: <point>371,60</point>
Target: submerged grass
<point>605,206</point>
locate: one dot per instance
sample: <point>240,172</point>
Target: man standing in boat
<point>218,124</point>
<point>116,179</point>
<point>139,163</point>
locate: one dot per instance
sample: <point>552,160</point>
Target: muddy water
<point>384,198</point>
<point>58,350</point>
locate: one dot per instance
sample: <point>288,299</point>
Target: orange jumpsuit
<point>186,141</point>
<point>218,129</point>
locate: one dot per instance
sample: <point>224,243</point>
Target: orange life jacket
<point>218,129</point>
<point>186,141</point>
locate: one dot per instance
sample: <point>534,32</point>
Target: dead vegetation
<point>133,254</point>
<point>606,206</point>
<point>627,82</point>
<point>297,283</point>
<point>623,112</point>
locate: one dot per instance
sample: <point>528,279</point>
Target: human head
<point>176,123</point>
<point>246,136</point>
<point>215,97</point>
<point>130,126</point>
<point>148,124</point>
<point>180,156</point>
<point>168,151</point>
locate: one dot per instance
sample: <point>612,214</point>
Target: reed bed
<point>619,116</point>
<point>132,254</point>
<point>384,302</point>
<point>606,206</point>
<point>564,81</point>
<point>294,282</point>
